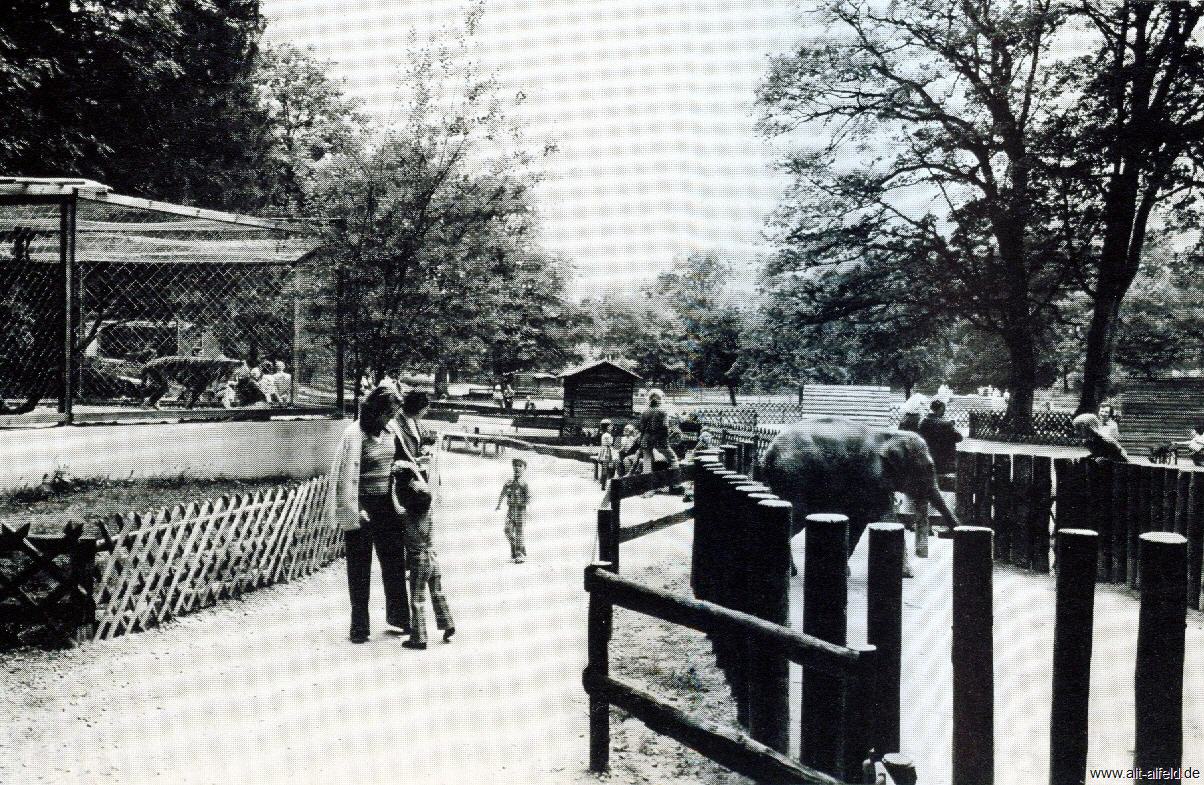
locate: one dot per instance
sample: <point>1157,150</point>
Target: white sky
<point>649,101</point>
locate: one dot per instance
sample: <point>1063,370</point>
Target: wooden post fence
<point>1073,624</point>
<point>1161,631</point>
<point>769,670</point>
<point>825,609</point>
<point>884,626</point>
<point>973,658</point>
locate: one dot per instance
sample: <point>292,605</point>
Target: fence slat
<point>1195,539</point>
<point>1039,520</point>
<point>1098,513</point>
<point>825,616</point>
<point>1120,522</point>
<point>1001,504</point>
<point>1022,494</point>
<point>1078,553</point>
<point>982,490</point>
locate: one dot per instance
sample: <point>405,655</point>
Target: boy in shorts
<point>516,495</point>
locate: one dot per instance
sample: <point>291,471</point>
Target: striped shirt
<point>376,462</point>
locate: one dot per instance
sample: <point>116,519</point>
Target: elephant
<point>834,465</point>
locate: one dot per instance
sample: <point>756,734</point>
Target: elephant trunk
<point>934,495</point>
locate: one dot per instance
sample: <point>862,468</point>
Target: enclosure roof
<point>112,228</point>
<point>596,364</point>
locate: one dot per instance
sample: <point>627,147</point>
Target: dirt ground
<point>268,690</point>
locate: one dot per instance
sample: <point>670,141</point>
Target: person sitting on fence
<point>629,443</point>
<point>1099,442</point>
<point>517,495</point>
<point>606,453</point>
<point>248,391</point>
<point>263,380</point>
<point>942,438</point>
<point>1195,445</point>
<point>912,410</point>
<point>360,503</point>
<point>1107,418</point>
<point>654,434</point>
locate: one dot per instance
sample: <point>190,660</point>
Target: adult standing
<point>942,438</point>
<point>359,501</point>
<point>414,493</point>
<point>284,383</point>
<point>912,411</point>
<point>507,397</point>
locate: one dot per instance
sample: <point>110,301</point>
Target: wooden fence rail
<point>146,568</point>
<point>1018,497</point>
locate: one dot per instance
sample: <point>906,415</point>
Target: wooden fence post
<point>601,617</point>
<point>860,727</point>
<point>964,485</point>
<point>1194,531</point>
<point>702,555</point>
<point>825,616</point>
<point>884,628</point>
<point>730,459</point>
<point>769,670</point>
<point>1133,519</point>
<point>1098,513</point>
<point>1078,550</point>
<point>608,533</point>
<point>1161,629</point>
<point>1022,496</point>
<point>1039,522</point>
<point>973,658</point>
<point>982,490</point>
<point>1120,519</point>
<point>1001,499</point>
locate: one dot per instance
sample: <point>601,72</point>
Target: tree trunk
<point>1022,352</point>
<point>731,393</point>
<point>441,381</point>
<point>1101,342</point>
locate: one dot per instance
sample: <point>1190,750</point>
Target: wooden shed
<point>596,390</point>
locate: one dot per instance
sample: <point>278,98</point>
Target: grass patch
<point>61,499</point>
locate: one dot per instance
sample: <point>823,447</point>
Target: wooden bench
<point>473,443</point>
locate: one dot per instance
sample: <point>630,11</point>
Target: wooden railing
<point>852,667</point>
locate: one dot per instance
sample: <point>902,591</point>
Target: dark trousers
<point>384,530</point>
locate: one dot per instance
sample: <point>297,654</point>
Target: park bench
<point>866,404</point>
<point>473,443</point>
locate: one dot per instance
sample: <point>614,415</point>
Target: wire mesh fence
<point>126,306</point>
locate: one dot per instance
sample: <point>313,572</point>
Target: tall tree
<point>922,193</point>
<point>1128,151</point>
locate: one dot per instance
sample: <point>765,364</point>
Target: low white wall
<point>243,450</point>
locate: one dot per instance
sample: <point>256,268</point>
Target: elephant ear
<point>906,463</point>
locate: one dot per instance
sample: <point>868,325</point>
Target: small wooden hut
<point>596,390</point>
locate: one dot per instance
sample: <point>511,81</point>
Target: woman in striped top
<point>361,502</point>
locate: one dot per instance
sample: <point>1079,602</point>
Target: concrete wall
<point>244,450</point>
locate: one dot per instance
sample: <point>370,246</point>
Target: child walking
<point>516,495</point>
<point>606,454</point>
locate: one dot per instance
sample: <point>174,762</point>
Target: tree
<point>1161,325</point>
<point>1128,148</point>
<point>945,223</point>
<point>536,327</point>
<point>432,228</point>
<point>706,328</point>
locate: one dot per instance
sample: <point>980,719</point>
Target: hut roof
<point>596,364</point>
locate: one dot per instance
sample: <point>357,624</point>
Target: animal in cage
<point>1165,453</point>
<point>195,374</point>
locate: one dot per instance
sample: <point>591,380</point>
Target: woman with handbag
<point>412,488</point>
<point>359,500</point>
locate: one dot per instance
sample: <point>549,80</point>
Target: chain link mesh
<point>168,309</point>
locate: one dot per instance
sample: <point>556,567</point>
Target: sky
<point>650,104</point>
